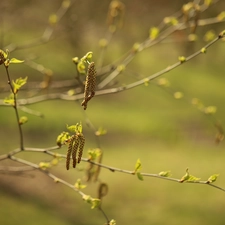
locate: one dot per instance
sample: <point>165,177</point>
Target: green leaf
<point>9,100</point>
<point>101,131</point>
<point>75,128</point>
<point>112,222</point>
<point>178,95</point>
<point>193,178</point>
<point>203,50</point>
<point>138,166</point>
<point>15,61</point>
<point>210,110</point>
<point>23,120</point>
<point>154,32</point>
<point>81,67</point>
<point>95,202</point>
<point>93,154</point>
<point>62,138</point>
<point>44,165</point>
<point>19,83</point>
<point>139,175</point>
<point>182,59</point>
<point>212,178</point>
<point>185,177</point>
<point>78,185</point>
<point>165,174</point>
<point>53,19</point>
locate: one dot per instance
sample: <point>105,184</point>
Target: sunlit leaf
<point>138,165</point>
<point>15,61</point>
<point>101,131</point>
<point>212,178</point>
<point>78,185</point>
<point>19,83</point>
<point>182,59</point>
<point>154,32</point>
<point>93,154</point>
<point>112,222</point>
<point>139,175</point>
<point>165,174</point>
<point>10,100</point>
<point>62,138</point>
<point>23,120</point>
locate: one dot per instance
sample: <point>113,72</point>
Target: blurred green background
<point>146,122</point>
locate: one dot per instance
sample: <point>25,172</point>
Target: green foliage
<point>62,138</point>
<point>78,185</point>
<point>75,128</point>
<point>188,178</point>
<point>165,174</point>
<point>154,33</point>
<point>10,100</point>
<point>182,59</point>
<point>23,119</point>
<point>101,131</point>
<point>18,84</point>
<point>137,170</point>
<point>95,203</point>
<point>212,178</point>
<point>94,153</point>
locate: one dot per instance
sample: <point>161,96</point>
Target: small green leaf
<point>193,178</point>
<point>203,50</point>
<point>87,198</point>
<point>138,166</point>
<point>154,32</point>
<point>81,67</point>
<point>23,120</point>
<point>210,110</point>
<point>209,36</point>
<point>182,59</point>
<point>89,55</point>
<point>139,175</point>
<point>112,222</point>
<point>185,177</point>
<point>178,95</point>
<point>75,128</point>
<point>165,174</point>
<point>121,68</point>
<point>62,138</point>
<point>15,61</point>
<point>93,201</point>
<point>19,83</point>
<point>101,131</point>
<point>93,154</point>
<point>212,178</point>
<point>78,185</point>
<point>44,165</point>
<point>10,100</point>
<point>53,19</point>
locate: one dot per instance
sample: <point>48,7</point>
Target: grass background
<point>145,122</point>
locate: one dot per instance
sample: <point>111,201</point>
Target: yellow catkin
<point>69,151</point>
<point>90,83</point>
<point>81,147</point>
<point>74,150</point>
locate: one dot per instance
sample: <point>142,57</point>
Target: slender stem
<point>16,109</point>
